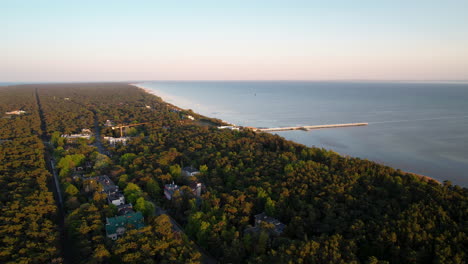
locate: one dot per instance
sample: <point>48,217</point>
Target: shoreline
<point>165,98</point>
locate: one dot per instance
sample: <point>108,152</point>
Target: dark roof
<point>279,227</point>
<point>115,196</point>
<point>124,209</point>
<point>107,184</point>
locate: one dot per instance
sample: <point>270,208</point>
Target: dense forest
<point>335,209</point>
<point>28,232</point>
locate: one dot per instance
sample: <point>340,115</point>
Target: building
<point>109,123</point>
<point>124,209</point>
<point>196,188</point>
<point>86,131</point>
<point>16,112</point>
<point>229,127</point>
<point>113,141</point>
<point>74,137</point>
<point>116,226</point>
<point>189,171</point>
<point>278,227</point>
<point>170,189</point>
<point>107,184</point>
<point>190,117</point>
<point>116,198</point>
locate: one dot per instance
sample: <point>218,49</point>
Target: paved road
<point>97,135</point>
<point>57,185</point>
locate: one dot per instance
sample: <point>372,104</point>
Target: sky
<point>43,40</point>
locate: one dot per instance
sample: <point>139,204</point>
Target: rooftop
<point>279,227</point>
<point>133,220</point>
<point>190,169</point>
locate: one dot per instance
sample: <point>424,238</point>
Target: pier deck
<point>307,128</point>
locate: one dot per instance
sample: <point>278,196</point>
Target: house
<point>124,209</point>
<point>109,123</point>
<point>116,198</point>
<point>73,137</point>
<point>113,141</point>
<point>116,226</point>
<point>196,188</point>
<point>278,227</point>
<point>170,189</point>
<point>189,171</point>
<point>190,117</point>
<point>86,131</point>
<point>107,184</point>
<point>229,127</point>
<point>16,112</point>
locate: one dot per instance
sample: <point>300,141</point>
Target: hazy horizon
<point>88,41</point>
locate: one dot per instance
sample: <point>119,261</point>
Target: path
<point>65,247</point>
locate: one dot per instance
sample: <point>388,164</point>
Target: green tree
<point>71,190</point>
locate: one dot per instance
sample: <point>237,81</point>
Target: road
<point>57,184</point>
<point>65,245</point>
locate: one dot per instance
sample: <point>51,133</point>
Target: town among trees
<point>174,188</point>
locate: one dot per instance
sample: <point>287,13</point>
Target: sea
<point>419,127</point>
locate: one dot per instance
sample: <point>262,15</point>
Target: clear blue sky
<point>187,40</point>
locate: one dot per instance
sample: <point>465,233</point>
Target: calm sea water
<point>417,127</point>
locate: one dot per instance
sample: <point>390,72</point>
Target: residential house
<point>113,141</point>
<point>116,198</point>
<point>229,127</point>
<point>74,137</point>
<point>107,185</point>
<point>109,123</point>
<point>196,188</point>
<point>16,112</point>
<point>278,227</point>
<point>170,189</point>
<point>189,171</point>
<point>116,226</point>
<point>124,209</point>
<point>86,131</point>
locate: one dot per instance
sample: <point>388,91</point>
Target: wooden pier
<point>307,128</point>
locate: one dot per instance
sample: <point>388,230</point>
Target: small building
<point>124,209</point>
<point>278,227</point>
<point>116,198</point>
<point>189,171</point>
<point>74,137</point>
<point>190,117</point>
<point>16,112</point>
<point>107,184</point>
<point>113,141</point>
<point>109,123</point>
<point>116,226</point>
<point>196,188</point>
<point>86,131</point>
<point>229,127</point>
<point>170,189</point>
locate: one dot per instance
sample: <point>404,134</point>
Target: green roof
<point>132,220</point>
